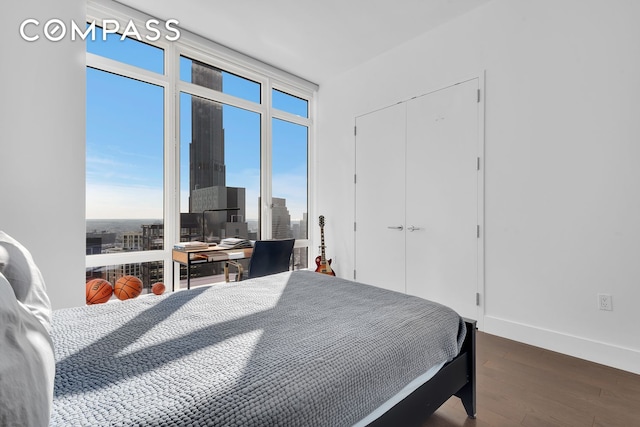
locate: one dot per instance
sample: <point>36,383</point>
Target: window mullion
<point>266,167</point>
<point>125,70</point>
<point>288,117</point>
<point>216,96</point>
<point>171,165</point>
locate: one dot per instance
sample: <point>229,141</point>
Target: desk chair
<point>268,257</point>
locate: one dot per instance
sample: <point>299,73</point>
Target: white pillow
<point>27,365</point>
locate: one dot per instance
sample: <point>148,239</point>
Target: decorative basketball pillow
<point>127,287</point>
<point>158,288</point>
<point>98,291</point>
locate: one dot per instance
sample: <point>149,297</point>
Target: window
<point>124,161</point>
<point>128,51</point>
<point>219,169</point>
<point>290,182</point>
<point>199,73</point>
<point>189,151</point>
<point>148,272</point>
<point>290,170</point>
<point>289,103</point>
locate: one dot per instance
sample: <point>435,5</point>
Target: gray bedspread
<point>293,349</point>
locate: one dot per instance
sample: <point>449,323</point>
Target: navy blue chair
<point>268,257</point>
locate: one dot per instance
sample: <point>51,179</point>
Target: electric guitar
<point>324,265</point>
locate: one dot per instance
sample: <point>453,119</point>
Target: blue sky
<point>125,134</point>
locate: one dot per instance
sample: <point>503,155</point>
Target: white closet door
<point>380,198</point>
<point>442,197</point>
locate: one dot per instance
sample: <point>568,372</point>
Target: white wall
<point>42,149</point>
<point>562,181</point>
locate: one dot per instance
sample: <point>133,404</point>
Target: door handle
<point>412,228</point>
<point>397,227</point>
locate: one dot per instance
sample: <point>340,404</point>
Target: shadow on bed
<point>108,347</point>
<point>255,353</point>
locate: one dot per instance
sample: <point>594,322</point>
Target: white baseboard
<point>615,356</point>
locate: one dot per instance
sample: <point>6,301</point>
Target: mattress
<point>398,397</point>
<point>296,348</point>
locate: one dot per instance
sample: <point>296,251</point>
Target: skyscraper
<point>208,188</point>
<point>281,223</point>
<point>207,168</point>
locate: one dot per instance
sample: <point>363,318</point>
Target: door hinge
<point>354,226</point>
<point>354,274</point>
<point>355,180</point>
<point>478,95</point>
<point>477,298</point>
<point>478,231</point>
<point>478,164</point>
<point>355,131</point>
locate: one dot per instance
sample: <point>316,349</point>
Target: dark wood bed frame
<point>456,378</point>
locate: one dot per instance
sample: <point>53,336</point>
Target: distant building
<point>207,168</point>
<point>281,222</point>
<point>94,245</point>
<point>304,227</point>
<point>299,228</point>
<point>208,189</point>
<point>97,242</point>
<point>300,259</point>
<point>132,241</point>
<point>114,272</point>
<point>152,237</point>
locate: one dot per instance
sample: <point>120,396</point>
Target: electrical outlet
<point>605,302</point>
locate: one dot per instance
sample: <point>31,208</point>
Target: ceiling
<point>312,39</point>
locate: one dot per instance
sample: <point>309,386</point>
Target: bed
<point>296,348</point>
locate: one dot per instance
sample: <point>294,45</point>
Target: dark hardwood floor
<point>522,385</point>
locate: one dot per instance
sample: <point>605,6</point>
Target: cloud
<point>108,171</point>
<point>123,201</point>
<point>293,188</point>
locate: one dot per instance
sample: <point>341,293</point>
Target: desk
<point>199,256</point>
